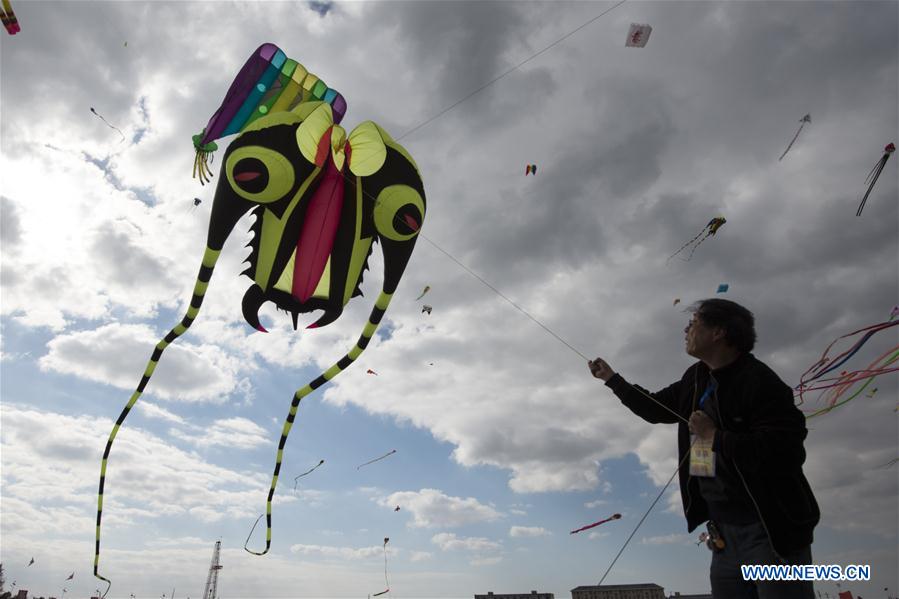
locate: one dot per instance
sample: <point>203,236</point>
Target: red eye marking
<point>413,224</point>
<point>248,176</point>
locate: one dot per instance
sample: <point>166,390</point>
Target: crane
<point>213,579</point>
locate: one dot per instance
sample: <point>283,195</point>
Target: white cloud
<point>671,539</point>
<point>528,531</point>
<point>151,410</point>
<point>234,432</point>
<point>351,553</point>
<point>486,561</point>
<point>420,556</point>
<point>56,457</point>
<point>431,508</point>
<point>117,354</point>
<point>447,541</point>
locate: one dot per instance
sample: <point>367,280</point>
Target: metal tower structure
<point>212,580</point>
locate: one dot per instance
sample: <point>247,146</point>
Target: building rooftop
<point>619,587</point>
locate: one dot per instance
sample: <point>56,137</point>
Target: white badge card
<point>702,458</point>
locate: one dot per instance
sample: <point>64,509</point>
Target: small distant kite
<point>806,119</point>
<point>710,229</point>
<point>389,453</point>
<point>722,288</point>
<point>305,473</point>
<point>31,562</point>
<point>71,576</point>
<point>530,169</point>
<point>194,203</point>
<point>9,18</point>
<point>871,392</point>
<point>638,35</point>
<point>370,371</point>
<point>423,292</point>
<point>676,301</point>
<point>396,509</point>
<point>426,308</point>
<point>107,123</point>
<point>595,524</point>
<point>874,174</point>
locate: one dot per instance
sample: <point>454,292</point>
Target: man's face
<point>699,337</point>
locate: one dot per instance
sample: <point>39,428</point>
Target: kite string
<point>251,533</point>
<point>659,496</point>
<point>386,581</point>
<point>543,326</point>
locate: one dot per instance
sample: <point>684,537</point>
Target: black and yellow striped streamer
<point>202,283</point>
<point>374,319</point>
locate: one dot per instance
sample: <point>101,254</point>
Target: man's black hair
<point>738,322</point>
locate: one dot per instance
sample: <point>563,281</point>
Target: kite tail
<point>690,257</point>
<point>209,260</point>
<point>791,142</point>
<point>876,367</point>
<point>872,179</point>
<point>685,245</point>
<point>374,319</point>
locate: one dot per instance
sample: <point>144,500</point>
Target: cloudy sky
<point>504,441</point>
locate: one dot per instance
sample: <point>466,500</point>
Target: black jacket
<point>761,435</point>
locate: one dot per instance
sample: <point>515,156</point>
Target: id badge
<point>702,458</point>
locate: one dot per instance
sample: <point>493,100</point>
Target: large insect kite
<point>9,18</point>
<point>321,198</point>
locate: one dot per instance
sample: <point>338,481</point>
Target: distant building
<point>645,590</point>
<point>531,595</point>
<point>679,596</point>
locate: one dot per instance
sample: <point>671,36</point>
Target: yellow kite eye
<point>399,212</point>
<point>259,174</point>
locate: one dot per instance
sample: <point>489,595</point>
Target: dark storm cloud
<point>459,45</point>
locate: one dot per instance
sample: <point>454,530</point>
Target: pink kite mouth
<point>319,229</point>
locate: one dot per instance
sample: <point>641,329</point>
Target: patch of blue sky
<point>322,8</point>
<point>143,194</point>
<point>139,132</point>
<point>385,331</point>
